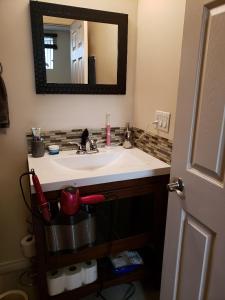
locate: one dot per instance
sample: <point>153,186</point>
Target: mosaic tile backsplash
<point>155,145</point>
<point>64,137</point>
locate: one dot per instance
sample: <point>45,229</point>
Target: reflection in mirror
<point>80,52</point>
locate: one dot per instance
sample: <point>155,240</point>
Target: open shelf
<point>60,260</point>
<point>149,204</point>
<point>106,279</point>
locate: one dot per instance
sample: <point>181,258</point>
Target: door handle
<point>177,185</point>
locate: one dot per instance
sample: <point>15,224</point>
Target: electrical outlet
<point>162,120</point>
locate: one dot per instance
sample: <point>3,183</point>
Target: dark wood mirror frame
<point>40,9</point>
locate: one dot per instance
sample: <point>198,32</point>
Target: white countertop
<point>55,172</point>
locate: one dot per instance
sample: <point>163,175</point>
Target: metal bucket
<point>64,236</point>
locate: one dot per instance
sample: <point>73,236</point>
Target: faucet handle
<point>93,145</point>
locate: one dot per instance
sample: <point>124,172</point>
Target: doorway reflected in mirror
<point>80,52</point>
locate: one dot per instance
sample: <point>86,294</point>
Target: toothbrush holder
<point>37,148</point>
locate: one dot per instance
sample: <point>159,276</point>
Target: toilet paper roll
<point>89,271</point>
<point>55,282</point>
<point>28,246</point>
<point>73,277</point>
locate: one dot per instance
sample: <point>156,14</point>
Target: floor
<point>118,292</point>
<point>13,281</point>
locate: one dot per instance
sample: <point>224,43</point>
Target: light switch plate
<point>162,120</point>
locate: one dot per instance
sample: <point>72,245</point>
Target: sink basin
<point>109,165</point>
<point>88,161</point>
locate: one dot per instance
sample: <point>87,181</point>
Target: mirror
<point>86,51</point>
<point>78,50</point>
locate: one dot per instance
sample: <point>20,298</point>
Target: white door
<point>194,253</point>
<point>79,52</point>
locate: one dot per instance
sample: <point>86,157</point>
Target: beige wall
<point>160,27</point>
<point>103,44</point>
<point>47,111</point>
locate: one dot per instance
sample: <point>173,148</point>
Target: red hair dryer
<point>70,200</point>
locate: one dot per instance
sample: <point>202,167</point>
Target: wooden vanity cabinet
<point>153,189</point>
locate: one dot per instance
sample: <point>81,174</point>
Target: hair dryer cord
<point>24,198</point>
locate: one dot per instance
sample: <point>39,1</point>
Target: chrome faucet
<point>79,147</point>
<point>87,145</point>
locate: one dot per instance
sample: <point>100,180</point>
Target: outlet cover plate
<point>163,120</point>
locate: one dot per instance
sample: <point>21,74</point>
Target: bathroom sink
<point>87,162</point>
<point>109,165</point>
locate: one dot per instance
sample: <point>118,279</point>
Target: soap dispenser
<point>127,144</point>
